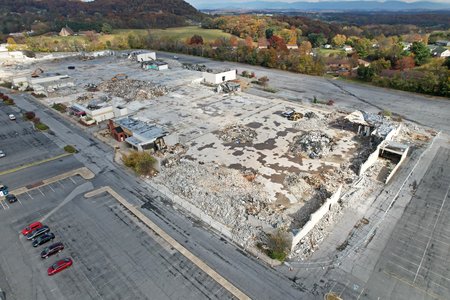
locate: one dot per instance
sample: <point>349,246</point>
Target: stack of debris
<point>131,89</point>
<point>225,195</point>
<point>228,87</point>
<point>314,143</point>
<point>196,67</point>
<point>237,134</point>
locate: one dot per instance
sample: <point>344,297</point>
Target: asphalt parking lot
<point>115,257</point>
<point>21,143</point>
<point>416,261</point>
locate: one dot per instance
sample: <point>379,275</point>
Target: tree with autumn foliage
<point>196,40</point>
<point>405,63</point>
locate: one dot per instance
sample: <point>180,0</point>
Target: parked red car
<point>31,227</point>
<point>59,266</point>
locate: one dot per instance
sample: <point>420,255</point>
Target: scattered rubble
<point>237,134</point>
<point>311,115</point>
<point>315,144</point>
<point>131,89</point>
<point>228,87</point>
<point>225,195</point>
<point>196,67</point>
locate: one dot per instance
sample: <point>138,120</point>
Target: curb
<point>186,253</point>
<point>83,172</point>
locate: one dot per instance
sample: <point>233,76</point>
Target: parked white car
<point>12,117</point>
<point>2,154</point>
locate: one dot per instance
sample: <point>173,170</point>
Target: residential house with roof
<point>66,31</point>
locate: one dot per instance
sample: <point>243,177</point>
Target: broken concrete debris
<point>225,195</point>
<point>237,134</point>
<point>315,144</point>
<point>131,89</point>
<point>196,67</point>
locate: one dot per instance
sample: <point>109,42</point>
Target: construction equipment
<point>295,116</point>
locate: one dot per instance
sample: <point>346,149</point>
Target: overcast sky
<point>196,2</point>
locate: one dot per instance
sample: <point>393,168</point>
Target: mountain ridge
<point>329,5</point>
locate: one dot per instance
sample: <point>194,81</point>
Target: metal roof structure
<point>143,133</point>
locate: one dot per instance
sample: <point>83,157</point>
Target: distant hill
<point>20,15</point>
<point>327,6</point>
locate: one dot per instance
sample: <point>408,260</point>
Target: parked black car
<point>11,198</point>
<point>47,237</point>
<point>35,233</point>
<point>52,249</point>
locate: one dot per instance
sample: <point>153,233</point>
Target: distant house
<point>348,48</point>
<point>66,31</point>
<point>263,43</point>
<point>292,46</point>
<point>440,52</point>
<point>363,62</point>
<point>406,46</point>
<point>339,67</point>
<point>444,43</point>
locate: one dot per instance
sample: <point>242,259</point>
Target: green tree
<point>107,28</point>
<point>362,47</point>
<point>447,63</point>
<point>421,53</point>
<point>365,73</point>
<point>269,33</point>
<point>339,40</point>
<point>379,65</point>
<point>317,39</point>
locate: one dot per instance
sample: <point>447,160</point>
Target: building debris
<point>315,144</point>
<point>237,134</point>
<point>131,89</point>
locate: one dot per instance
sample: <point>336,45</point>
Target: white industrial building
<point>217,77</point>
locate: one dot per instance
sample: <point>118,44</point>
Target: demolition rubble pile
<point>196,67</point>
<point>314,144</point>
<point>131,89</point>
<point>312,121</point>
<point>226,196</point>
<point>237,134</point>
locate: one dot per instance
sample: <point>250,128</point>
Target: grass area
<point>41,126</point>
<point>117,40</point>
<point>70,149</point>
<point>179,33</point>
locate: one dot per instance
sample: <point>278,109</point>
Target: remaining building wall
<point>316,217</point>
<point>219,77</point>
<point>146,56</point>
<point>397,166</point>
<point>372,159</point>
<point>120,111</point>
<point>101,114</point>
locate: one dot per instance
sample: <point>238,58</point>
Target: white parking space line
<point>29,195</point>
<point>19,201</point>
<point>344,288</point>
<point>59,181</point>
<point>331,290</point>
<point>4,205</point>
<point>41,192</point>
<point>74,182</point>
<point>50,186</point>
<point>359,296</point>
